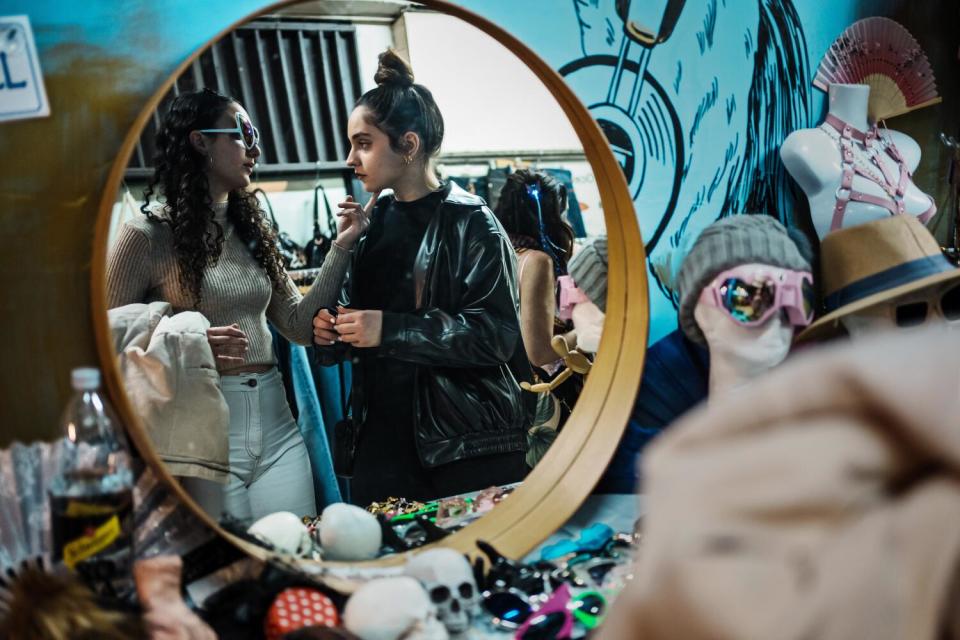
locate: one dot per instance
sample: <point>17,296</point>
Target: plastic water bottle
<point>91,499</point>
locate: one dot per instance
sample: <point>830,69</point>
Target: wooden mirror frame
<point>566,475</point>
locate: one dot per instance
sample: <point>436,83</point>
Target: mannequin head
<point>739,352</point>
<point>587,303</point>
<point>849,103</point>
<point>736,241</point>
<point>937,304</point>
<point>743,287</point>
<point>885,274</point>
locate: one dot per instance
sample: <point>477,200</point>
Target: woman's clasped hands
<point>229,345</point>
<point>356,327</point>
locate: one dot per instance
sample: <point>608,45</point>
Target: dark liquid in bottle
<point>93,535</point>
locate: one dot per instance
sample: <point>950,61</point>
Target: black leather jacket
<point>464,337</point>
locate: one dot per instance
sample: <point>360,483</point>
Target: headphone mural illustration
<point>636,115</point>
<point>695,99</point>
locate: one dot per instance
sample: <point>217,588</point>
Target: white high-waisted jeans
<point>269,467</point>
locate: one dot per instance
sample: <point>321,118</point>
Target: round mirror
<point>250,417</point>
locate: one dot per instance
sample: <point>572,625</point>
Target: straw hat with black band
<point>872,264</point>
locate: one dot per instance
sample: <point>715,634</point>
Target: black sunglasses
<point>911,314</point>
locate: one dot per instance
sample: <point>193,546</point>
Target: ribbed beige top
<point>141,267</point>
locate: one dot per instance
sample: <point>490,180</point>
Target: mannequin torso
<point>814,157</point>
<point>739,353</point>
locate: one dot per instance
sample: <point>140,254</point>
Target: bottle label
<point>90,545</point>
<point>84,527</point>
<point>78,509</point>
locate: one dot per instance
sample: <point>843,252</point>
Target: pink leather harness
<point>893,185</point>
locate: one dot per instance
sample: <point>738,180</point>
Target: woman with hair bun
<point>205,246</point>
<point>432,319</point>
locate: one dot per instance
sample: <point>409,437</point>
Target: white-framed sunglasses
<point>248,134</point>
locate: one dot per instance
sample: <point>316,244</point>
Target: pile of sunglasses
<point>563,595</point>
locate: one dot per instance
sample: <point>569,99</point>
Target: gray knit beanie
<point>739,239</point>
<point>588,268</point>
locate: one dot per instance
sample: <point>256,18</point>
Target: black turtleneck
<point>387,462</point>
<point>384,278</point>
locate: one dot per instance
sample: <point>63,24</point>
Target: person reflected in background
<point>432,320</point>
<point>531,208</point>
<point>205,246</point>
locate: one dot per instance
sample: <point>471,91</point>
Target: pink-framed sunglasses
<point>552,621</point>
<point>751,300</point>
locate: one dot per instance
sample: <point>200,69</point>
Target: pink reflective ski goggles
<point>751,300</point>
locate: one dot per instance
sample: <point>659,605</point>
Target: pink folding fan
<point>880,53</point>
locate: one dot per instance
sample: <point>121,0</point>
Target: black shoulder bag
<point>317,250</point>
<point>345,431</point>
<point>345,434</point>
<point>290,251</point>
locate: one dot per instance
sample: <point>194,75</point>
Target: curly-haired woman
<point>207,247</point>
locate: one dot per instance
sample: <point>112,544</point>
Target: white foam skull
<point>348,532</point>
<point>393,608</point>
<point>285,531</point>
<point>448,579</point>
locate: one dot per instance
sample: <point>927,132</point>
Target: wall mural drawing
<point>695,99</point>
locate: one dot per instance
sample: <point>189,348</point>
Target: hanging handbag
<point>345,434</point>
<point>290,252</point>
<point>317,249</point>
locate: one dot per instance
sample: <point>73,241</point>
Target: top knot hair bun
<point>397,106</point>
<point>393,70</point>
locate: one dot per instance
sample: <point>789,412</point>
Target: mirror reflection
<point>359,257</point>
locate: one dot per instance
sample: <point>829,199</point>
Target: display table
<point>166,527</point>
<point>620,511</point>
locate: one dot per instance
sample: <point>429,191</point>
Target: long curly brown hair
<point>180,176</point>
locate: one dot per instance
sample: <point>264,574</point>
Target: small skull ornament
<point>448,579</point>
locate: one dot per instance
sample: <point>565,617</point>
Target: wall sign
<point>21,82</point>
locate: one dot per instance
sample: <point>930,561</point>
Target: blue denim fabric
<point>327,383</point>
<point>674,380</point>
<point>313,428</point>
